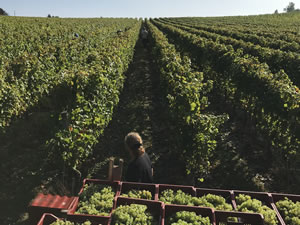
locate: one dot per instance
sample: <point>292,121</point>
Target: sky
<point>142,8</point>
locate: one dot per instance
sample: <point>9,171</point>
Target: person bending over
<point>140,167</point>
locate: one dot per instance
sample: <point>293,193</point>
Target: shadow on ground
<point>142,108</point>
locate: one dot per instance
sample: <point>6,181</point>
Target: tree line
<point>3,12</point>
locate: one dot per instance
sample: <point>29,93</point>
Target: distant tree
<point>290,7</point>
<point>49,16</point>
<point>3,13</point>
<point>276,11</point>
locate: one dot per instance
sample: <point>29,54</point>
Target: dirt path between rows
<point>142,108</point>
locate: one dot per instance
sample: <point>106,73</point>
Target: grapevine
<point>243,81</point>
<point>187,94</point>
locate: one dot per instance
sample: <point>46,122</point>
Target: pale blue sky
<point>142,8</point>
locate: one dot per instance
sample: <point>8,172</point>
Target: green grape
<point>89,190</point>
<point>186,217</point>
<point>143,194</point>
<point>242,198</point>
<point>246,204</point>
<point>65,222</point>
<point>212,201</point>
<point>96,200</point>
<point>132,215</point>
<point>290,211</point>
<point>179,197</point>
<point>167,196</point>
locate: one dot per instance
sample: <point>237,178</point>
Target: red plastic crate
<point>279,196</point>
<point>127,186</point>
<point>265,198</point>
<point>54,204</point>
<point>186,189</point>
<point>203,211</point>
<point>72,211</point>
<point>114,184</point>
<point>222,218</point>
<point>227,194</point>
<point>47,219</point>
<point>156,208</point>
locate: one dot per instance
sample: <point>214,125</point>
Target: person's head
<point>134,144</point>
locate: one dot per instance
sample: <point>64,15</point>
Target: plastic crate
<point>203,211</point>
<point>92,217</point>
<point>156,208</point>
<point>223,218</point>
<point>265,198</point>
<point>54,204</point>
<point>227,194</point>
<point>127,186</point>
<point>47,219</point>
<point>186,189</point>
<point>114,184</point>
<point>278,196</point>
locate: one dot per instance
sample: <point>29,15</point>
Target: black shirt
<point>140,170</point>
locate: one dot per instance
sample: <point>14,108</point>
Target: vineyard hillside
<point>216,101</point>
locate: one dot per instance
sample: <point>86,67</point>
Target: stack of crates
<point>159,209</point>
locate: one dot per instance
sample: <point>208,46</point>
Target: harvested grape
<point>132,214</point>
<point>246,204</point>
<point>96,200</point>
<point>189,218</point>
<point>143,194</point>
<point>66,222</point>
<point>290,211</point>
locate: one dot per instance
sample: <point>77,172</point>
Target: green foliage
<point>246,204</point>
<point>96,94</point>
<point>246,83</point>
<point>290,211</point>
<point>96,200</point>
<point>132,214</point>
<point>143,194</point>
<point>86,59</point>
<point>290,7</point>
<point>275,58</point>
<point>185,217</point>
<point>3,12</point>
<point>186,91</point>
